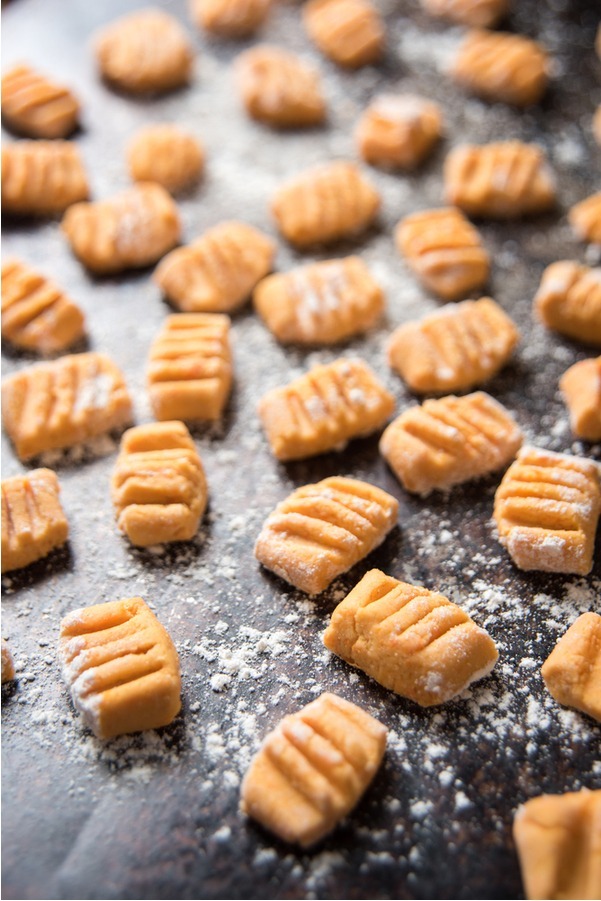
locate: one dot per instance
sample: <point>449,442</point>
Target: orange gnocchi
<point>312,769</point>
<point>505,67</point>
<point>41,178</point>
<point>34,106</point>
<point>217,272</point>
<point>324,409</point>
<point>445,252</point>
<point>190,367</point>
<point>146,51</point>
<point>36,314</point>
<point>321,303</point>
<point>324,204</point>
<point>320,531</point>
<point>349,32</point>
<point>167,155</point>
<point>501,181</point>
<point>279,88</point>
<point>398,130</point>
<point>411,640</point>
<point>130,230</point>
<point>455,348</point>
<point>121,667</point>
<point>546,510</point>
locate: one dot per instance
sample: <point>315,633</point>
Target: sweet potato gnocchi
<point>585,219</point>
<point>477,13</point>
<point>8,666</point>
<point>321,303</point>
<point>324,204</point>
<point>445,252</point>
<point>217,272</point>
<point>146,51</point>
<point>33,521</point>
<point>411,640</point>
<point>349,32</point>
<point>398,130</point>
<point>130,230</point>
<point>320,531</point>
<point>546,510</point>
<point>230,18</point>
<point>279,88</point>
<point>572,671</point>
<point>501,181</point>
<point>167,155</point>
<point>581,388</point>
<point>41,178</point>
<point>36,314</point>
<point>558,840</point>
<point>56,405</point>
<point>505,67</point>
<point>453,349</point>
<point>159,488</point>
<point>449,441</point>
<point>569,301</point>
<point>323,409</point>
<point>121,667</point>
<point>35,106</point>
<point>312,769</point>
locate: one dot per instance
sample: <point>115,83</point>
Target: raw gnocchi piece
<point>558,840</point>
<point>129,230</point>
<point>453,349</point>
<point>585,219</point>
<point>411,640</point>
<point>449,441</point>
<point>8,667</point>
<point>597,125</point>
<point>36,314</point>
<point>477,13</point>
<point>445,252</point>
<point>33,521</point>
<point>349,32</point>
<point>325,203</point>
<point>569,301</point>
<point>572,671</point>
<point>279,88</point>
<point>312,769</point>
<point>41,178</point>
<point>230,18</point>
<point>499,181</point>
<point>323,409</point>
<point>35,106</point>
<point>217,272</point>
<point>321,303</point>
<point>56,405</point>
<point>158,487</point>
<point>320,531</point>
<point>398,130</point>
<point>190,367</point>
<point>121,667</point>
<point>581,388</point>
<point>546,511</point>
<point>505,67</point>
<point>146,51</point>
<point>167,155</point>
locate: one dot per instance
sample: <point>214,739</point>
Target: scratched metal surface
<point>157,816</point>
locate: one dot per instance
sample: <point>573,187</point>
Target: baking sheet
<point>156,815</point>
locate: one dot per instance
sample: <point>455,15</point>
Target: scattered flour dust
<point>245,678</point>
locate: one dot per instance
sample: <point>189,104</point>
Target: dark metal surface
<point>155,816</point>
